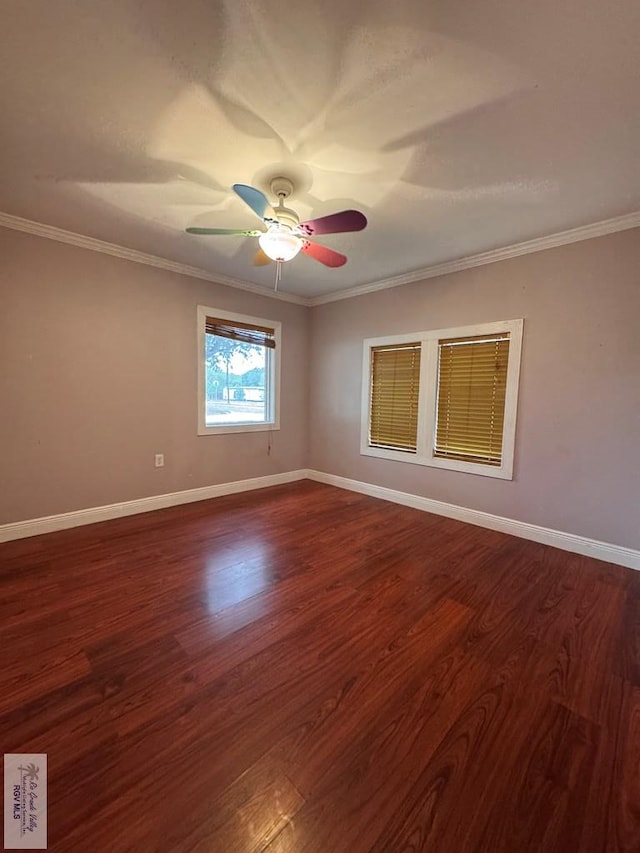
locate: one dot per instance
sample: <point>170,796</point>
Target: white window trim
<point>272,375</point>
<point>427,398</point>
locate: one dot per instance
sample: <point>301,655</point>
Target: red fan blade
<point>335,223</point>
<point>321,253</point>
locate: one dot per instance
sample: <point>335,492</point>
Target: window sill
<point>230,428</point>
<point>502,472</point>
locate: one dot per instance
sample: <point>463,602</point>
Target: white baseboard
<point>566,541</point>
<point>49,523</point>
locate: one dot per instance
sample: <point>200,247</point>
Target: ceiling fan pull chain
<point>278,274</point>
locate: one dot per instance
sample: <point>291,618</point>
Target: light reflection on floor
<point>237,573</point>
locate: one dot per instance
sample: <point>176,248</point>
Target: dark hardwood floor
<point>306,669</point>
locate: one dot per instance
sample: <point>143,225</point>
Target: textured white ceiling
<point>456,126</point>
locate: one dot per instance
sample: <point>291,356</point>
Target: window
<point>444,398</point>
<point>238,372</point>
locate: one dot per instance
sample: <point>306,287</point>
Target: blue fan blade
<point>257,201</point>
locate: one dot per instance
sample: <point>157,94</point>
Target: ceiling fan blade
<point>335,223</point>
<point>261,258</point>
<point>326,256</point>
<point>257,201</point>
<point>239,232</point>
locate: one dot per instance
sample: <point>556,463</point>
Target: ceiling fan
<point>286,235</point>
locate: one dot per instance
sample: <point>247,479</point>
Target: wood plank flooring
<point>304,668</point>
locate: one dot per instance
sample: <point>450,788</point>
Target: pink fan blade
<point>335,223</point>
<point>321,253</point>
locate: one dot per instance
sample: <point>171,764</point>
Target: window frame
<point>272,373</point>
<point>427,397</point>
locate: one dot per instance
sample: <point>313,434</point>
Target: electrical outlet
<point>159,460</point>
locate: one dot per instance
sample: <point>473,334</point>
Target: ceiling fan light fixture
<point>280,244</point>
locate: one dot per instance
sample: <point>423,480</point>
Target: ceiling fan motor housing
<point>287,217</point>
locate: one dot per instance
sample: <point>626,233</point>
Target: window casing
<point>458,405</point>
<point>237,409</point>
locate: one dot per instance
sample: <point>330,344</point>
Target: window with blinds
<point>238,372</point>
<point>471,395</point>
<point>395,386</point>
<point>446,398</point>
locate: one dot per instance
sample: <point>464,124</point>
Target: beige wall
<point>98,374</point>
<point>577,460</point>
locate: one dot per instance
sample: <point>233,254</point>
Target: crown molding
<point>51,232</point>
<point>539,244</point>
